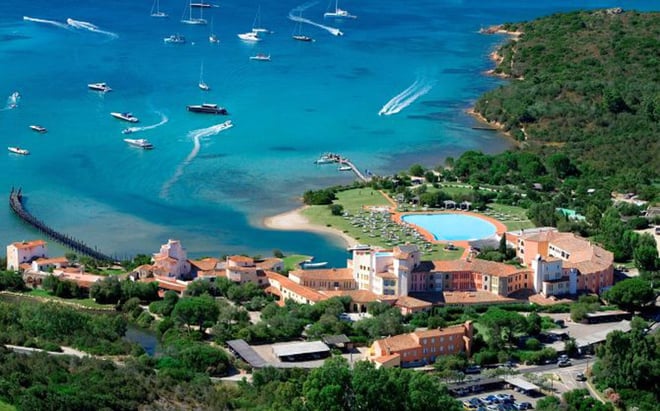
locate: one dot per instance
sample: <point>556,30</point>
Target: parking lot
<point>518,398</point>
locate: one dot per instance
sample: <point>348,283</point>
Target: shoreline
<point>294,220</point>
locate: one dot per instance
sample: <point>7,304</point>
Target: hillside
<point>586,84</point>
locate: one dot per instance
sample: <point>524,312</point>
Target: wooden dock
<point>365,177</point>
<point>16,204</point>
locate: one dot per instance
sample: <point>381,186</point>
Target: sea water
<point>388,93</point>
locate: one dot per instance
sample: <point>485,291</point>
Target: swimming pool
<point>452,227</point>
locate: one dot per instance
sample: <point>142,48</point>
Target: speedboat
<point>261,57</point>
<point>227,124</point>
<point>140,143</point>
<point>18,150</point>
<point>125,116</point>
<point>249,36</point>
<point>129,130</point>
<point>99,87</point>
<point>314,265</point>
<point>203,86</point>
<point>38,129</point>
<point>202,5</point>
<point>301,37</point>
<point>326,159</point>
<point>344,168</point>
<point>175,39</point>
<point>207,108</point>
<point>213,39</point>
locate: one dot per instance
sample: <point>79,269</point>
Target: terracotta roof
<point>28,244</point>
<point>438,332</point>
<point>404,251</point>
<point>287,284</point>
<point>387,275</point>
<point>325,274</point>
<point>583,255</point>
<point>358,296</point>
<point>242,269</point>
<point>385,358</point>
<point>54,260</point>
<point>478,266</point>
<point>240,259</point>
<point>269,263</point>
<point>398,343</point>
<point>411,302</point>
<point>170,284</point>
<point>474,297</point>
<point>206,264</point>
<point>83,280</point>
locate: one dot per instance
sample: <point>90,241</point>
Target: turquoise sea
<point>424,57</point>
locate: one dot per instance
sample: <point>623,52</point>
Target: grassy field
<point>291,261</point>
<point>514,218</point>
<point>354,201</point>
<point>85,302</point>
<point>6,407</point>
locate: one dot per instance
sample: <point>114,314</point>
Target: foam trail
<point>163,120</point>
<point>51,22</point>
<point>83,25</point>
<point>12,101</point>
<point>291,16</point>
<point>409,100</point>
<point>396,99</point>
<point>196,135</point>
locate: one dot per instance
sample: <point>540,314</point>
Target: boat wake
<point>406,97</point>
<point>196,135</point>
<point>12,101</point>
<point>163,120</point>
<point>51,22</point>
<point>83,25</point>
<point>332,30</point>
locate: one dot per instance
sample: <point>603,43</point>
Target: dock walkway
<point>16,204</point>
<point>365,177</point>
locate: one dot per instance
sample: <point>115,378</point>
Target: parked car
<point>490,399</point>
<point>580,377</point>
<point>505,398</point>
<point>473,369</point>
<point>564,363</point>
<point>524,406</point>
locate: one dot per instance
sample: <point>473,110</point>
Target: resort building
<point>171,260</point>
<point>563,263</point>
<point>241,269</point>
<point>24,252</point>
<point>421,347</point>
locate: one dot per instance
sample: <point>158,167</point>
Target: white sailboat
<point>202,85</point>
<point>212,37</point>
<point>155,10</point>
<point>339,13</point>
<point>256,25</point>
<point>193,20</point>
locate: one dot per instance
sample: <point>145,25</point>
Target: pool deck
<point>500,228</point>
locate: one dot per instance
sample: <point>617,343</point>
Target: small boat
<point>344,168</point>
<point>18,150</point>
<point>175,39</point>
<point>140,143</point>
<point>301,37</point>
<point>207,108</point>
<point>212,37</point>
<point>339,13</point>
<point>261,57</point>
<point>249,36</point>
<point>297,32</point>
<point>103,87</point>
<point>155,10</point>
<point>130,130</point>
<point>314,265</point>
<point>325,159</point>
<point>227,124</point>
<point>193,20</point>
<point>38,129</point>
<point>256,24</point>
<point>202,5</point>
<point>125,116</point>
<point>202,85</point>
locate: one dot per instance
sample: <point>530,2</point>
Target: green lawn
<point>291,261</point>
<point>86,302</point>
<point>514,218</point>
<point>354,202</point>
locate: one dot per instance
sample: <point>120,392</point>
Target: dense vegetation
<point>587,86</point>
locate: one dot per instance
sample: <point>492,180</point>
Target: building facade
<point>172,260</point>
<point>24,252</point>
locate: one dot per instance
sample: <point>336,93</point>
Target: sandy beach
<point>294,221</point>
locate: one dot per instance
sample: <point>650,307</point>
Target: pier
<point>16,204</point>
<point>336,158</point>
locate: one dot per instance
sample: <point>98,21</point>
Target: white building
<point>384,272</point>
<point>172,260</point>
<point>24,252</point>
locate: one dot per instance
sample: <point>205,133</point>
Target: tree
<point>11,281</point>
<point>416,170</point>
<point>645,254</point>
<point>201,312</point>
<point>336,209</point>
<point>632,294</point>
<point>106,291</point>
<point>328,387</point>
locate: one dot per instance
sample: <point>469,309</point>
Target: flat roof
<point>520,383</point>
<point>601,335</point>
<point>247,353</point>
<point>299,348</point>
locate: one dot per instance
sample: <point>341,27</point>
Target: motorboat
<point>130,130</point>
<point>175,39</point>
<point>18,150</point>
<point>314,265</point>
<point>38,129</point>
<point>202,5</point>
<point>326,159</point>
<point>344,168</point>
<point>261,57</point>
<point>125,116</point>
<point>249,36</point>
<point>103,87</point>
<point>207,108</point>
<point>227,124</point>
<point>140,143</point>
<point>203,86</point>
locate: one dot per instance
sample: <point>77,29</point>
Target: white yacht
<point>260,57</point>
<point>249,36</point>
<point>38,129</point>
<point>125,116</point>
<point>140,143</point>
<point>175,39</point>
<point>155,10</point>
<point>189,19</point>
<point>99,87</point>
<point>339,13</point>
<point>18,150</point>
